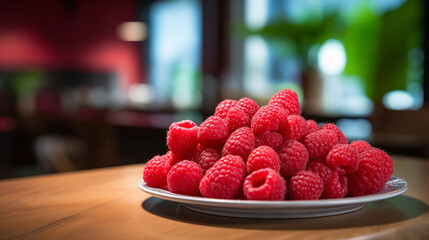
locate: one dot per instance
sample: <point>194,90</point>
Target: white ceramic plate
<point>278,209</point>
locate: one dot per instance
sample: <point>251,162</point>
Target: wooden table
<point>107,204</point>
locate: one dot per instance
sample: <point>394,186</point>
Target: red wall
<point>69,34</point>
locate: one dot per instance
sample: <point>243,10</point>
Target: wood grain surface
<point>107,204</point>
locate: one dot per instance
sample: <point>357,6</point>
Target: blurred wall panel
<point>69,34</point>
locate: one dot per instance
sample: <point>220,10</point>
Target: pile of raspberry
<point>271,152</point>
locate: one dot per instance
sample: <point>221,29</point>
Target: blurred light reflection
<point>132,31</point>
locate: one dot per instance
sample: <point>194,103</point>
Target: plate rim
<point>164,194</point>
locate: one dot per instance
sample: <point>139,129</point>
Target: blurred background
<point>88,84</point>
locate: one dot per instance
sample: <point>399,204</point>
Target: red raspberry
<point>295,127</point>
<point>375,169</point>
<point>241,143</point>
<point>199,148</point>
<point>196,156</point>
<point>262,157</point>
<point>264,184</point>
<point>155,172</point>
<point>341,171</point>
<point>184,178</point>
<point>288,100</point>
<point>182,138</point>
<point>312,126</point>
<point>388,163</point>
<point>248,106</point>
<point>305,185</point>
<point>207,157</point>
<point>344,156</point>
<point>223,107</point>
<point>293,157</point>
<point>173,158</point>
<point>240,195</point>
<point>360,145</point>
<point>335,187</point>
<point>319,143</point>
<point>268,118</point>
<point>213,131</point>
<point>341,137</point>
<point>224,179</point>
<point>270,139</point>
<point>320,168</point>
<point>237,118</point>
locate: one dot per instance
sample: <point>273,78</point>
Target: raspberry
<point>248,106</point>
<point>312,126</point>
<point>319,143</point>
<point>240,195</point>
<point>237,118</point>
<point>341,171</point>
<point>264,184</point>
<point>375,169</point>
<point>293,157</point>
<point>155,172</point>
<point>182,138</point>
<point>341,137</point>
<point>262,157</point>
<point>335,187</point>
<point>295,127</point>
<point>241,142</point>
<point>270,139</point>
<point>196,156</point>
<point>184,178</point>
<point>223,107</point>
<point>344,156</point>
<point>207,157</point>
<point>320,168</point>
<point>173,158</point>
<point>268,118</point>
<point>198,148</point>
<point>305,185</point>
<point>224,179</point>
<point>288,100</point>
<point>360,145</point>
<point>213,131</point>
<point>388,163</point>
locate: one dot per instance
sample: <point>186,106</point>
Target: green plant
<point>296,38</point>
<point>376,44</point>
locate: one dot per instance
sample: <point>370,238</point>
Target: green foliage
<point>376,44</point>
<point>361,43</point>
<point>297,38</point>
<point>26,83</point>
<point>377,47</point>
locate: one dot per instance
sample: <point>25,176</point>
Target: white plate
<point>278,209</point>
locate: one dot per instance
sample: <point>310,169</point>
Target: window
<point>174,59</point>
<point>335,54</point>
